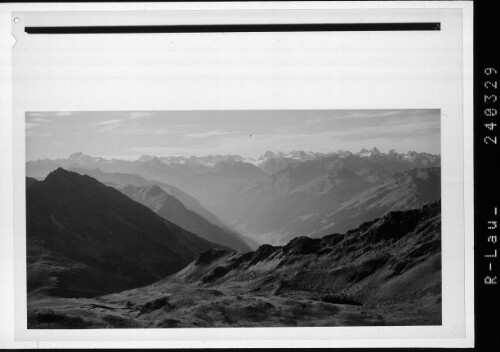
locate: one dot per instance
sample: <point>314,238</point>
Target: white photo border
<point>457,174</point>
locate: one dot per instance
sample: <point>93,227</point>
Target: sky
<point>249,133</point>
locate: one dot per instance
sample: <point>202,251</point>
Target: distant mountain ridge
<point>41,167</point>
<point>277,196</point>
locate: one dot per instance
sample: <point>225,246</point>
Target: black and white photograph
<point>217,175</point>
<point>233,218</point>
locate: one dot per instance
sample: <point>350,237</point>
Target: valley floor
<point>168,305</point>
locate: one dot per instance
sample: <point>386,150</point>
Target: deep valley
<point>298,239</point>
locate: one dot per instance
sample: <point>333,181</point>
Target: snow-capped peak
<point>146,158</point>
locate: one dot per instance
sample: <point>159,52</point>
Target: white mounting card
<point>402,90</point>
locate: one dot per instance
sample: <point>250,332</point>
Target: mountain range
<point>295,239</point>
<point>278,196</point>
<point>40,168</point>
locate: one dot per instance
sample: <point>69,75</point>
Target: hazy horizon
<point>130,135</point>
<point>68,155</point>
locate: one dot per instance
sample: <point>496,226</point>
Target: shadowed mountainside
<point>171,209</point>
<point>340,201</point>
<point>122,179</point>
<point>85,239</point>
<point>367,264</point>
<point>402,191</point>
<point>385,272</point>
<point>30,181</point>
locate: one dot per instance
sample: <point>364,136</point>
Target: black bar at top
<point>239,28</point>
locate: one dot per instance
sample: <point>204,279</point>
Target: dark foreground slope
<point>386,272</point>
<point>86,239</point>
